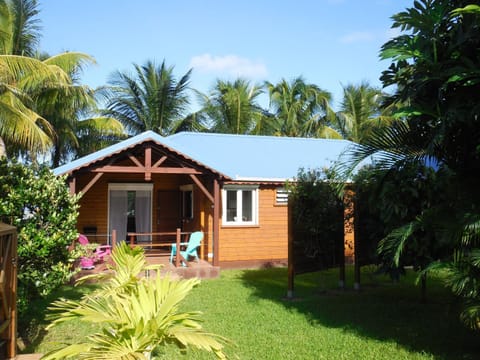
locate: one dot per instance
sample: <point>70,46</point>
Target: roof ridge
<point>272,137</point>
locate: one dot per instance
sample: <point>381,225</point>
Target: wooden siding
<point>266,241</point>
<point>94,204</point>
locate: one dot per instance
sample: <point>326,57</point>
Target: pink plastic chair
<point>100,252</point>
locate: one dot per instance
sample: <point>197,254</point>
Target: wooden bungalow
<point>231,187</point>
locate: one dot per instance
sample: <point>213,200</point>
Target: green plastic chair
<point>191,250</point>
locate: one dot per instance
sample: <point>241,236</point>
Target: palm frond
<point>136,315</point>
<point>394,243</point>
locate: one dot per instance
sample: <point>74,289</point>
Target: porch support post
<point>72,185</point>
<point>148,164</point>
<point>177,254</point>
<point>216,221</point>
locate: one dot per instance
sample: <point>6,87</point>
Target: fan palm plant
<point>136,315</point>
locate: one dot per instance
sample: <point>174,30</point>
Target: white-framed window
<point>187,201</point>
<point>240,205</point>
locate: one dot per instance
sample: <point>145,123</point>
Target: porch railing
<point>178,242</point>
<point>8,291</point>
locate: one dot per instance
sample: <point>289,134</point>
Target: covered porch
<point>158,252</point>
<point>148,195</point>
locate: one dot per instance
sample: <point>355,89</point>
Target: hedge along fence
<point>316,225</point>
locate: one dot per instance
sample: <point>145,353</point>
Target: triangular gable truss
<point>146,158</point>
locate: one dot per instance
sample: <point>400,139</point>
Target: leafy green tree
<point>232,107</point>
<point>397,204</point>
<point>150,99</point>
<point>361,111</point>
<point>136,315</point>
<point>45,214</point>
<point>300,109</point>
<point>435,71</point>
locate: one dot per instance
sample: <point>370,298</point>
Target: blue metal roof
<point>249,157</point>
<point>240,157</point>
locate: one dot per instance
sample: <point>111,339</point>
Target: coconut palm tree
<point>361,111</point>
<point>40,99</point>
<point>232,107</point>
<point>19,28</point>
<point>20,125</point>
<point>150,99</point>
<point>300,109</point>
<point>71,111</point>
<point>19,34</point>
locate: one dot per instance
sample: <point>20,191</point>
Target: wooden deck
<point>29,356</point>
<point>201,269</point>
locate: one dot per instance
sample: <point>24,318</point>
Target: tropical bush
<point>45,214</point>
<point>434,73</point>
<point>317,214</point>
<point>137,315</point>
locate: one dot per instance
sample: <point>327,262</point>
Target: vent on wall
<point>281,196</point>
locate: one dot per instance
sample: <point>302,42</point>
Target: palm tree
<point>232,107</point>
<point>20,125</point>
<point>65,107</point>
<point>19,28</point>
<point>19,34</point>
<point>150,99</point>
<point>300,109</point>
<point>361,112</point>
<point>40,100</point>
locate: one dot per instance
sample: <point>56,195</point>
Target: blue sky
<point>328,42</point>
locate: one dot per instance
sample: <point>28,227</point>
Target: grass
<point>384,320</point>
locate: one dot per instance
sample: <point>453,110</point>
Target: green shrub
<point>39,204</point>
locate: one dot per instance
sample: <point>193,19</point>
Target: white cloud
<point>229,64</point>
<point>357,36</point>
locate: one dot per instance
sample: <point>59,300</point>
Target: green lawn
<point>382,321</point>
